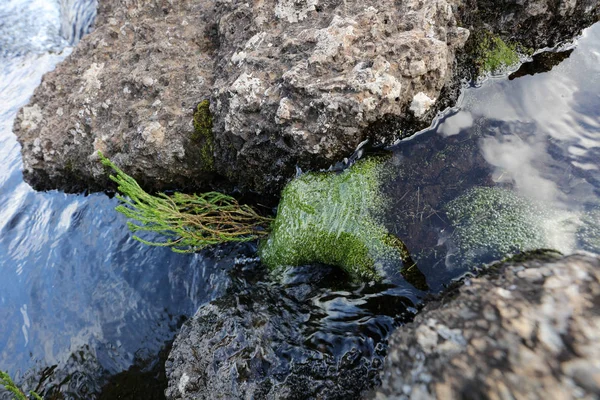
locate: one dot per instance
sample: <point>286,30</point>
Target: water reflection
<point>538,135</point>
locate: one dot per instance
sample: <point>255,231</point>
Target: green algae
<point>493,55</point>
<point>491,223</point>
<point>203,134</point>
<point>589,231</point>
<point>334,218</point>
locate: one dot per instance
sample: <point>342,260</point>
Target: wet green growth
<point>333,218</point>
<point>491,223</point>
<point>538,254</point>
<point>589,232</point>
<point>188,222</point>
<point>203,124</point>
<point>18,394</point>
<point>493,55</point>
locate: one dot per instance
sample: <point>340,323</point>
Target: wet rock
<point>533,23</point>
<point>526,327</point>
<point>310,337</point>
<point>129,89</point>
<point>289,83</point>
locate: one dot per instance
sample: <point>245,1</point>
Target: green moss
<point>492,54</point>
<point>203,134</point>
<point>491,223</point>
<point>333,218</point>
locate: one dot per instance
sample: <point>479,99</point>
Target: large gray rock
<point>289,83</point>
<point>128,89</point>
<point>526,330</point>
<point>312,336</point>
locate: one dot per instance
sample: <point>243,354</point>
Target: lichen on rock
<point>333,218</point>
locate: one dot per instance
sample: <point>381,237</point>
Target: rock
<point>263,340</point>
<point>129,89</point>
<point>533,23</point>
<point>527,329</point>
<point>289,84</point>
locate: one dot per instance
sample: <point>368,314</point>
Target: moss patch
<point>491,223</point>
<point>333,218</point>
<point>203,134</point>
<point>492,54</point>
<point>589,232</point>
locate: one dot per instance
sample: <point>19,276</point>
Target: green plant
<point>334,218</point>
<point>331,218</point>
<point>7,382</point>
<point>189,222</point>
<point>492,54</point>
<point>203,124</point>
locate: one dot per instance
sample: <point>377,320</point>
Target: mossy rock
<point>203,134</point>
<point>492,54</point>
<point>334,218</point>
<point>492,223</point>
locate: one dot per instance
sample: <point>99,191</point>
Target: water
<point>537,135</point>
<point>73,282</point>
<point>81,302</point>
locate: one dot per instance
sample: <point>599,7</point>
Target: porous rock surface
<point>289,83</point>
<point>266,341</point>
<point>527,330</point>
<point>128,90</point>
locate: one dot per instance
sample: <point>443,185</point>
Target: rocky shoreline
<point>235,96</point>
<point>526,326</point>
<point>195,95</point>
<point>526,329</point>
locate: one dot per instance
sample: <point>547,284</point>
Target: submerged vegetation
<point>329,218</point>
<point>491,223</point>
<point>189,222</point>
<point>334,219</point>
<point>7,382</point>
<point>589,232</point>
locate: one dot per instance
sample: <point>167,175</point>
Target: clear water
<point>71,279</point>
<point>536,135</point>
<point>79,296</point>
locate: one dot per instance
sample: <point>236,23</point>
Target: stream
<point>84,308</point>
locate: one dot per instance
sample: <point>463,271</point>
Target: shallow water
<point>76,292</point>
<point>72,280</point>
<point>537,135</point>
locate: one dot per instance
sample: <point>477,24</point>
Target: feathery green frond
<point>7,382</point>
<point>188,222</point>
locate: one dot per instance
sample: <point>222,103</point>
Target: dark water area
<point>88,312</point>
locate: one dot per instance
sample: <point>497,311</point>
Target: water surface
<point>80,301</point>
